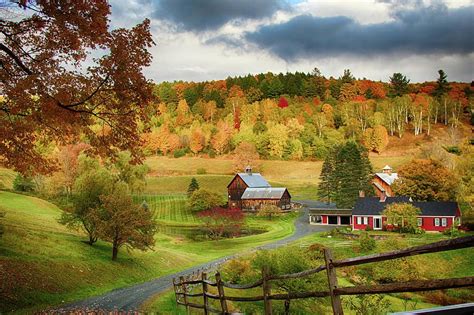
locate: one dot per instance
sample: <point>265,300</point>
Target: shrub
<point>368,228</point>
<point>179,153</point>
<point>204,199</point>
<point>370,304</point>
<point>201,171</point>
<point>366,242</point>
<point>222,222</point>
<point>23,183</point>
<point>452,232</point>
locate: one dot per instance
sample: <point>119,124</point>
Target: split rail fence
<point>183,285</point>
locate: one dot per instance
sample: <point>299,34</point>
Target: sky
<point>200,40</point>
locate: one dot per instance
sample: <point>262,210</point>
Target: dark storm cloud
<point>200,15</point>
<point>419,30</point>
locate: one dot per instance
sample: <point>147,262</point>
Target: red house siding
<point>428,223</point>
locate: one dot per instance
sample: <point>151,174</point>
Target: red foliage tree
<point>282,103</point>
<point>54,92</point>
<point>222,222</point>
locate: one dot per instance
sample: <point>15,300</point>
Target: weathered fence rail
<point>184,284</point>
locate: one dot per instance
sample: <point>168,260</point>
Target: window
<point>366,220</point>
<point>359,220</point>
<point>419,221</point>
<point>444,222</point>
<point>436,221</point>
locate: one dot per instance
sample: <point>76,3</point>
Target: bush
<point>452,232</point>
<point>366,242</point>
<point>179,153</point>
<point>368,228</point>
<point>453,149</point>
<point>201,171</point>
<point>23,183</point>
<point>204,199</point>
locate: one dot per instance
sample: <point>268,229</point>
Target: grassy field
<point>171,176</point>
<point>456,263</point>
<point>169,209</point>
<point>43,264</point>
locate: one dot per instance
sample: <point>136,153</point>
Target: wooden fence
<point>183,285</point>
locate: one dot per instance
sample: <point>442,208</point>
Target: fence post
<point>220,289</point>
<point>266,286</point>
<point>287,307</point>
<point>184,289</point>
<point>332,281</point>
<point>204,293</point>
<point>175,291</point>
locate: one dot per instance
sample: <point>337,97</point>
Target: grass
<point>45,264</point>
<point>179,184</point>
<point>169,209</point>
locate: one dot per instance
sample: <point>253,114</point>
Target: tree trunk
<point>92,240</point>
<point>114,250</point>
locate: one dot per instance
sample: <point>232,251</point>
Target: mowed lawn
<point>44,264</point>
<point>173,175</point>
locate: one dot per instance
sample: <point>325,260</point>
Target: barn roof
<point>254,180</point>
<point>264,193</point>
<point>388,178</point>
<point>373,206</point>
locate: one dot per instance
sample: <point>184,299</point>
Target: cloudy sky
<point>211,39</point>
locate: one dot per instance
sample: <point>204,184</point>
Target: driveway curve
<point>131,298</point>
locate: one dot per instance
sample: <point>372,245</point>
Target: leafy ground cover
<point>44,264</point>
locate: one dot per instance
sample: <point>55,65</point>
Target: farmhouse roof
<point>388,178</point>
<point>254,180</point>
<point>264,193</point>
<point>373,206</point>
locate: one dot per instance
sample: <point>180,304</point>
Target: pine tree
<point>352,173</point>
<point>327,187</point>
<point>193,186</point>
<point>398,85</point>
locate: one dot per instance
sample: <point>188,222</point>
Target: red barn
<point>435,215</point>
<point>249,191</point>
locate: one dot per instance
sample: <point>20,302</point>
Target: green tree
<point>203,200</point>
<point>23,183</point>
<point>133,175</point>
<point>398,85</point>
<point>402,215</point>
<point>442,85</point>
<point>193,186</point>
<point>352,173</point>
<point>88,188</point>
<point>425,180</point>
<point>269,211</point>
<point>327,184</point>
<point>123,223</point>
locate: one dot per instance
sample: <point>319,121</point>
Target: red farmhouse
<point>435,215</point>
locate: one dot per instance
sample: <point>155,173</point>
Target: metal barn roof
<point>254,180</point>
<point>263,193</point>
<point>388,178</point>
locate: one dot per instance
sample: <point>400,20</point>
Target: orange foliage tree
<point>54,92</point>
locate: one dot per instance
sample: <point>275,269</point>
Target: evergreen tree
<point>193,186</point>
<point>398,85</point>
<point>352,173</point>
<point>442,84</point>
<point>327,184</point>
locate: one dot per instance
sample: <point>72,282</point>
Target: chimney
<point>361,194</point>
<point>248,170</point>
<point>383,196</point>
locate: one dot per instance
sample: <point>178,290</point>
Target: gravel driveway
<point>131,298</point>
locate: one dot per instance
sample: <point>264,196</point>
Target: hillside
<point>45,264</point>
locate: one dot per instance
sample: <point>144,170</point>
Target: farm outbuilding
<point>250,191</point>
